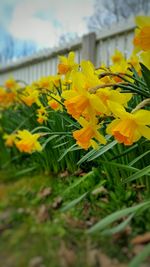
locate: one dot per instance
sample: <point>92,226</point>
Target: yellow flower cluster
<point>93,97</point>
<point>8,93</point>
<point>24,141</point>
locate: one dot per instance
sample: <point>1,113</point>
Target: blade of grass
<point>115,216</point>
<point>78,182</point>
<point>138,158</point>
<point>119,227</point>
<point>66,151</point>
<point>137,175</point>
<point>74,202</point>
<point>48,140</point>
<point>103,150</point>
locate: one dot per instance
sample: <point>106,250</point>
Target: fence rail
<point>95,47</point>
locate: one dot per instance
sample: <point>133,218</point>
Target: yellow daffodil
<point>128,128</point>
<point>27,142</point>
<point>142,34</point>
<point>79,100</point>
<point>67,64</point>
<point>45,82</point>
<point>106,94</point>
<point>54,101</point>
<point>49,83</point>
<point>90,77</point>
<point>11,84</point>
<point>133,61</point>
<point>41,118</point>
<point>84,136</point>
<point>117,57</point>
<point>9,139</point>
<point>122,68</point>
<point>42,115</point>
<point>30,96</point>
<point>6,97</point>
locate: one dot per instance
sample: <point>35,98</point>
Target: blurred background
<point>27,27</point>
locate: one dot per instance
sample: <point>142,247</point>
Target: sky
<point>43,21</point>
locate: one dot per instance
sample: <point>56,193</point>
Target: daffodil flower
<point>27,142</point>
<point>142,33</point>
<point>128,128</point>
<point>67,64</point>
<point>30,96</point>
<point>79,100</point>
<point>85,135</point>
<point>9,139</point>
<point>106,94</point>
<point>117,57</point>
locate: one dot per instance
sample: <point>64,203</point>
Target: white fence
<point>97,48</point>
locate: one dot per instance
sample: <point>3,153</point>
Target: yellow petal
<point>145,56</point>
<point>97,103</point>
<point>142,21</point>
<point>71,57</point>
<point>100,138</point>
<point>117,110</point>
<point>145,131</point>
<point>121,98</point>
<point>142,117</point>
<point>83,122</point>
<point>87,67</point>
<point>69,94</point>
<point>111,126</point>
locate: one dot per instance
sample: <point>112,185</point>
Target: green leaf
<point>74,202</point>
<point>91,153</point>
<point>137,175</point>
<point>103,150</point>
<point>115,216</point>
<point>119,227</point>
<point>138,158</point>
<point>66,151</point>
<point>137,260</point>
<point>146,74</point>
<point>40,128</point>
<point>48,140</point>
<point>79,181</point>
<point>125,152</point>
<point>25,171</point>
<point>60,145</point>
<point>120,166</point>
<point>86,156</point>
<point>66,117</point>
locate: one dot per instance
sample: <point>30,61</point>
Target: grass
<point>41,228</point>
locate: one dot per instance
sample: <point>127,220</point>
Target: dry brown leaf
<point>64,174</point>
<point>100,190</point>
<point>95,257</point>
<point>36,262</point>
<point>82,174</point>
<point>104,199</point>
<point>91,257</point>
<point>66,255</point>
<point>45,192</point>
<point>43,214</point>
<point>141,239</point>
<point>76,223</point>
<point>137,249</point>
<point>57,202</point>
<point>105,261</point>
<point>78,172</point>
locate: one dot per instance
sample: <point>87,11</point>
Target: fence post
<point>88,47</point>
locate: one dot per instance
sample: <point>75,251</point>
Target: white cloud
<point>26,24</point>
